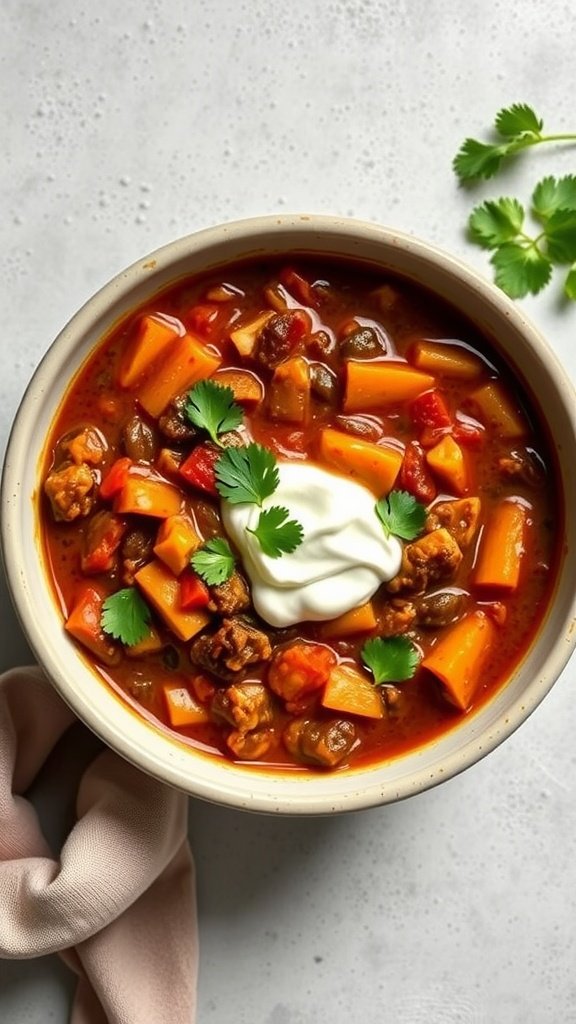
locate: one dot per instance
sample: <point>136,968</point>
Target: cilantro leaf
<point>478,159</point>
<point>277,533</point>
<point>214,561</point>
<point>390,659</point>
<point>496,221</point>
<point>401,514</point>
<point>552,194</point>
<point>519,126</point>
<point>517,119</point>
<point>520,269</point>
<point>211,407</point>
<point>570,283</point>
<point>126,616</point>
<point>247,474</point>
<point>560,231</point>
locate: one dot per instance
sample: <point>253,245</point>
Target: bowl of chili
<point>288,515</point>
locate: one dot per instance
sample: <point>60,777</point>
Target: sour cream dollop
<point>344,557</point>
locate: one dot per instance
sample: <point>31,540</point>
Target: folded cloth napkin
<point>119,902</point>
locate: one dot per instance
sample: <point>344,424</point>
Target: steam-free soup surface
<point>299,514</point>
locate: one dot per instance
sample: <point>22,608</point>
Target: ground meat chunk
<point>69,489</point>
<point>138,440</point>
<point>280,337</point>
<point>174,424</point>
<point>246,706</point>
<point>433,557</point>
<point>249,746</point>
<point>136,551</point>
<point>323,743</point>
<point>231,648</point>
<point>523,466</point>
<point>84,446</point>
<point>396,617</point>
<point>231,597</point>
<point>459,517</point>
<point>436,610</point>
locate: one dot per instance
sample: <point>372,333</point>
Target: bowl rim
<point>230,785</point>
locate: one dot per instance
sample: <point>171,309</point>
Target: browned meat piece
<point>174,424</point>
<point>138,440</point>
<point>523,466</point>
<point>246,706</point>
<point>324,383</point>
<point>84,446</point>
<point>435,556</point>
<point>362,343</point>
<point>231,597</point>
<point>100,542</point>
<point>440,609</point>
<point>321,345</point>
<point>69,489</point>
<point>459,517</point>
<point>231,648</point>
<point>249,746</point>
<point>323,743</point>
<point>396,617</point>
<point>136,551</point>
<point>280,337</point>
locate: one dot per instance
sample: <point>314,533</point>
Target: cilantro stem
<point>536,140</point>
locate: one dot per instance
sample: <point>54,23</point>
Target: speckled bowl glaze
<point>137,739</point>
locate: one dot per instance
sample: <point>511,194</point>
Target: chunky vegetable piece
<point>184,418</point>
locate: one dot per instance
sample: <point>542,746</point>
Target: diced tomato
<point>115,478</point>
<point>193,591</point>
<point>299,287</point>
<point>101,541</point>
<point>198,468</point>
<point>468,432</point>
<point>414,475</point>
<point>430,410</point>
<point>204,319</point>
<point>299,669</point>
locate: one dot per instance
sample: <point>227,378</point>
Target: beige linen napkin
<point>119,902</point>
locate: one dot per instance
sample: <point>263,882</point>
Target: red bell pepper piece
<point>414,475</point>
<point>198,468</point>
<point>203,319</point>
<point>115,478</point>
<point>101,541</point>
<point>299,287</point>
<point>430,410</point>
<point>193,591</point>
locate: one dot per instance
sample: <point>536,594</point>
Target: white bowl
<point>134,737</point>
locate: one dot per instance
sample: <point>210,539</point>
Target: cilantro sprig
<point>523,262</point>
<point>126,616</point>
<point>276,532</point>
<point>214,561</point>
<point>516,128</point>
<point>390,659</point>
<point>247,474</point>
<point>211,407</point>
<point>250,475</point>
<point>401,514</point>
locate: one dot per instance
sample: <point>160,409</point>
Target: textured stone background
<point>125,125</point>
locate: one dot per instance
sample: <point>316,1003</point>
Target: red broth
<point>464,432</point>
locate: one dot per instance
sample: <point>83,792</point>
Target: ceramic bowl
<point>138,740</point>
